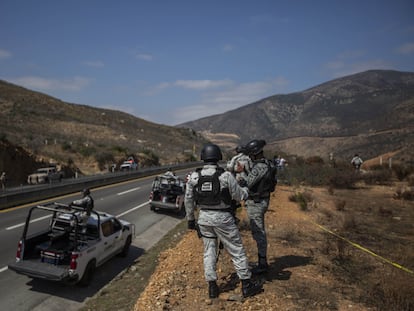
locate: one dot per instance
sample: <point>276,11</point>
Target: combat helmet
<point>255,146</point>
<point>211,153</point>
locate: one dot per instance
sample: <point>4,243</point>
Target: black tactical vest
<point>208,190</point>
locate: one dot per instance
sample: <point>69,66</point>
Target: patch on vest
<point>207,190</point>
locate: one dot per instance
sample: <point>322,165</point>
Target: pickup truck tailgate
<point>40,270</point>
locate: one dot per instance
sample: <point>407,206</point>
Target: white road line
<point>22,224</point>
<point>130,190</point>
<point>3,269</point>
<point>133,209</point>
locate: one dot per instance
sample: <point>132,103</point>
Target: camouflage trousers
<point>218,226</point>
<point>256,212</point>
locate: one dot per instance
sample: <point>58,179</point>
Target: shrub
<point>302,199</point>
<point>379,176</point>
<point>103,159</point>
<point>343,179</point>
<point>402,171</point>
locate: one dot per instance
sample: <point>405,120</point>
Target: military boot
<point>213,290</point>
<point>250,288</point>
<point>261,267</point>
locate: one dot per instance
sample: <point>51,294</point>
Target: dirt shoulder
<point>310,268</point>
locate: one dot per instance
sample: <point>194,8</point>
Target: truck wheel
<point>88,274</point>
<point>125,250</point>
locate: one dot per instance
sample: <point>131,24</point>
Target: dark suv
<point>167,193</point>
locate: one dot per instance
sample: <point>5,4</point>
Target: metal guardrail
<point>30,193</point>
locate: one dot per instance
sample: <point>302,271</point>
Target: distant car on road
<point>129,165</point>
<point>167,193</point>
<point>45,175</point>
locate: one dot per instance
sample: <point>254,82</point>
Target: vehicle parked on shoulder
<point>167,193</point>
<point>71,246</point>
<point>45,175</point>
<point>128,165</point>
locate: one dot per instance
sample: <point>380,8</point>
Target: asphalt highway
<point>127,200</point>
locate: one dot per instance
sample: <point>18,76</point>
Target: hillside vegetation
<point>85,137</point>
<point>370,113</point>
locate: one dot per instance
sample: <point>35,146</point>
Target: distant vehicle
<point>129,165</point>
<point>167,193</point>
<point>45,175</point>
<point>67,250</point>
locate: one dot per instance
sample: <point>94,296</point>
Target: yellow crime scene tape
<point>365,249</point>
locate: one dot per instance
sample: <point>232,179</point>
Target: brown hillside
<point>311,269</point>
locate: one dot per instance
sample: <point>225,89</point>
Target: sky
<point>171,62</point>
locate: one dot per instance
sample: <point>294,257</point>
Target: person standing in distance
<point>211,189</point>
<point>257,203</point>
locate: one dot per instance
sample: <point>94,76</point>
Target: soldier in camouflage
<point>240,164</point>
<point>258,202</point>
<point>215,220</point>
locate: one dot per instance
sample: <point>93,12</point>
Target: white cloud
<point>143,56</point>
<point>407,48</point>
<point>201,84</point>
<point>228,47</point>
<point>349,62</point>
<point>4,54</point>
<point>96,63</point>
<point>39,83</point>
<point>232,97</point>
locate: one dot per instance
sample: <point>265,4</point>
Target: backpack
<point>269,181</point>
<point>207,191</point>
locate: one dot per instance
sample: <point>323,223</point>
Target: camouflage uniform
<point>257,205</point>
<point>245,161</point>
<point>87,203</point>
<point>217,222</point>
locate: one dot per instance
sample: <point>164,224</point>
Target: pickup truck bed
<point>37,269</point>
<point>69,250</point>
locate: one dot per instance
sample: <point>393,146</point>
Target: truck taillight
<point>19,250</point>
<point>73,262</point>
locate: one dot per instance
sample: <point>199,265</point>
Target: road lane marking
<point>128,191</point>
<point>32,221</point>
<point>3,269</point>
<point>133,209</point>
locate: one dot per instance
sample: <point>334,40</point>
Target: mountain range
<point>370,112</point>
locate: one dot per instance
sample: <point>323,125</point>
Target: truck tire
<point>125,249</point>
<point>88,274</point>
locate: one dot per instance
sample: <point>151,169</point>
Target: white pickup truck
<point>67,250</point>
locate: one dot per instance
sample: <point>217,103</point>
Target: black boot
<point>261,267</point>
<point>213,290</point>
<point>250,289</point>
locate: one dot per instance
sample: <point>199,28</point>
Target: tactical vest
<point>208,191</point>
<point>267,183</point>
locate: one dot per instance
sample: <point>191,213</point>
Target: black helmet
<point>211,153</point>
<point>255,146</point>
<point>241,149</point>
<point>86,191</point>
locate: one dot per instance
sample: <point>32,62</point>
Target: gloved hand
<point>191,224</point>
